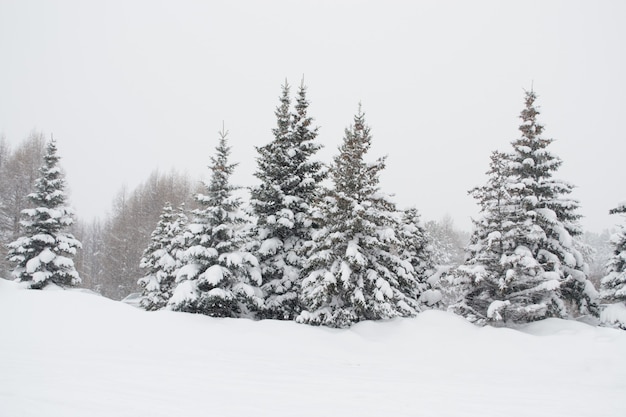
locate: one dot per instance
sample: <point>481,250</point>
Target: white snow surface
<point>74,354</point>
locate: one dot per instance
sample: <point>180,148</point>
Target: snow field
<point>70,353</point>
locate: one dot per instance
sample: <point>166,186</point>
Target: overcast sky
<point>130,86</point>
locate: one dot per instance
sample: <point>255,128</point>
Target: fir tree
<point>283,204</point>
<point>219,278</point>
<point>613,287</point>
<point>355,271</point>
<point>550,218</point>
<point>44,254</point>
<point>480,279</point>
<point>614,284</point>
<point>523,262</point>
<point>161,259</point>
<point>416,248</point>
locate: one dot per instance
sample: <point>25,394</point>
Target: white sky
<point>129,86</point>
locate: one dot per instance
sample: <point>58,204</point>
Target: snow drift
<point>71,353</point>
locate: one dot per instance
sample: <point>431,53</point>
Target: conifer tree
<point>480,279</point>
<point>283,204</point>
<point>613,286</point>
<point>355,271</point>
<point>523,261</point>
<point>416,248</point>
<point>218,277</point>
<point>43,255</point>
<point>161,259</point>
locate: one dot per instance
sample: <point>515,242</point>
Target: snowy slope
<point>69,353</point>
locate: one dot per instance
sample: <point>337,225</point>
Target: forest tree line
<point>333,255</point>
<point>112,245</point>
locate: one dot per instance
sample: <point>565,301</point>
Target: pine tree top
<point>49,186</point>
<point>289,176</point>
<point>530,159</point>
<point>351,174</point>
<point>219,213</point>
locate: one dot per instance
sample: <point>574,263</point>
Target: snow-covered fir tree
<point>613,287</point>
<point>356,270</point>
<point>161,259</point>
<point>219,277</point>
<point>479,280</point>
<point>523,262</point>
<point>283,204</point>
<point>43,255</point>
<point>416,248</point>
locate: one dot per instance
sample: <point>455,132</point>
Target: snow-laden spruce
<point>218,277</point>
<point>366,263</point>
<point>43,255</point>
<point>523,260</point>
<point>415,246</point>
<point>480,278</point>
<point>283,204</point>
<point>162,258</point>
<point>613,286</point>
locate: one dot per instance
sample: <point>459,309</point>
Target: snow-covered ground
<point>71,353</point>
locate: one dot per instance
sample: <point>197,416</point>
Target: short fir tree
<point>480,280</point>
<point>613,286</point>
<point>355,271</point>
<point>523,262</point>
<point>283,204</point>
<point>161,259</point>
<point>44,254</point>
<point>416,248</point>
<point>218,277</point>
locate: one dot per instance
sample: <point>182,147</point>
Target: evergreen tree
<point>480,278</point>
<point>283,204</point>
<point>355,271</point>
<point>161,259</point>
<point>523,262</point>
<point>613,286</point>
<point>614,283</point>
<point>550,217</point>
<point>416,248</point>
<point>43,255</point>
<point>218,277</point>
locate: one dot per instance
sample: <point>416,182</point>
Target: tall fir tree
<point>613,286</point>
<point>523,263</point>
<point>355,271</point>
<point>219,277</point>
<point>43,255</point>
<point>162,258</point>
<point>283,204</point>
